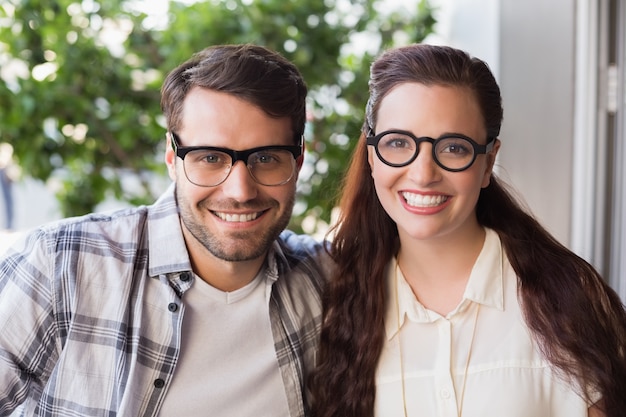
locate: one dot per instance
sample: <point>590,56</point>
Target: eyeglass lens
<point>210,168</point>
<point>450,152</point>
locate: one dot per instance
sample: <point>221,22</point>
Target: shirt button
<point>172,307</point>
<point>185,276</point>
<point>445,394</point>
<point>159,383</point>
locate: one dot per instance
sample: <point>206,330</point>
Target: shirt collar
<point>485,286</point>
<point>276,262</point>
<point>166,245</point>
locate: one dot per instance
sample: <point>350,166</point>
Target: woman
<point>449,299</point>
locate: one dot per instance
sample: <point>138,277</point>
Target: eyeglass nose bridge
<point>433,143</point>
<point>418,142</point>
<point>238,156</point>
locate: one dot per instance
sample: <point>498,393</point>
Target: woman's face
<point>426,201</point>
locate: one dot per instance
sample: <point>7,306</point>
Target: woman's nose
<point>424,170</point>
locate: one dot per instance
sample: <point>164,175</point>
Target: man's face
<point>238,219</point>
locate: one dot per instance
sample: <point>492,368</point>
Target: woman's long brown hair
<point>576,319</point>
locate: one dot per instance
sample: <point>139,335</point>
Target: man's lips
<point>238,217</point>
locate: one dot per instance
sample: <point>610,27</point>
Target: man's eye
<point>207,157</point>
<point>265,158</point>
<point>213,158</point>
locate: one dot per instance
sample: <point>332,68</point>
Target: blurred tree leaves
<point>79,84</point>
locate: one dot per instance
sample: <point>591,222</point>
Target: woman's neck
<point>438,270</point>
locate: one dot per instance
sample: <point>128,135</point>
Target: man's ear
<point>300,159</point>
<point>170,157</point>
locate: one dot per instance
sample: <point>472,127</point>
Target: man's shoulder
<point>77,249</point>
<point>94,233</point>
<point>306,255</point>
<point>121,222</point>
<point>299,245</point>
<point>110,223</point>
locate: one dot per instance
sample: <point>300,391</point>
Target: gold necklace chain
<point>467,359</point>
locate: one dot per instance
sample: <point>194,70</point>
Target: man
<point>196,305</point>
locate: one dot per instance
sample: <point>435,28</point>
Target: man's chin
<point>238,255</point>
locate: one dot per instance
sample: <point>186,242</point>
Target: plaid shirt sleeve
<point>296,312</point>
<point>28,348</point>
<point>85,327</point>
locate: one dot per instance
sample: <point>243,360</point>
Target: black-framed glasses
<point>209,166</point>
<point>453,152</point>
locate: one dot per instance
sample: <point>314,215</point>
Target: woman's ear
<point>491,160</point>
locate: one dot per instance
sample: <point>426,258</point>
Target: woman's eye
<point>458,148</point>
<point>397,143</point>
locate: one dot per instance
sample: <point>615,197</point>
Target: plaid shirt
<point>91,313</point>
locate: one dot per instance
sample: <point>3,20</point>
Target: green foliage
<point>79,87</point>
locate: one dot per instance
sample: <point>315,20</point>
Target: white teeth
<point>237,218</point>
<point>419,200</point>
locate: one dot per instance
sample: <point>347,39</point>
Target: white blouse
<point>507,376</point>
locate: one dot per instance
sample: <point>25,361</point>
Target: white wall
<point>537,71</point>
<point>471,25</point>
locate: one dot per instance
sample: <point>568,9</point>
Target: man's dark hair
<point>250,72</point>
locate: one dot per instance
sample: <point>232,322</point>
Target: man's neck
<point>224,275</point>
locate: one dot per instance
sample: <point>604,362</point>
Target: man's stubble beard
<point>243,246</point>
